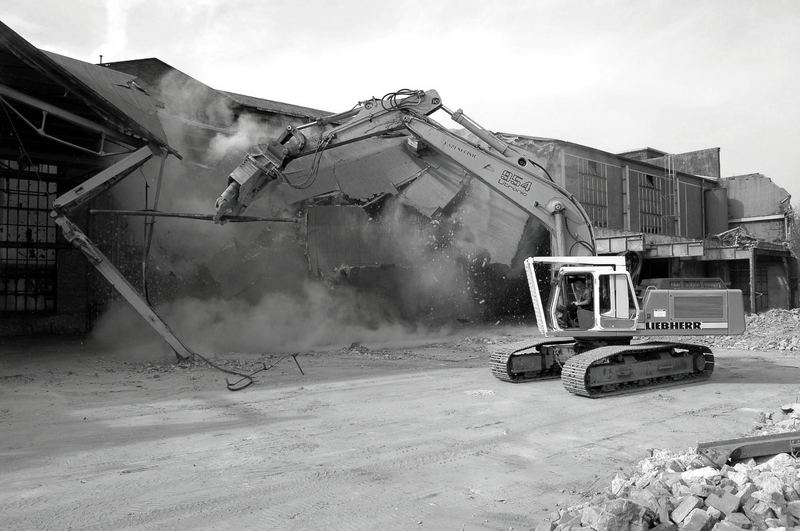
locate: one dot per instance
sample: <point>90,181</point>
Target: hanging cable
<point>541,168</point>
<point>411,98</point>
<point>312,176</point>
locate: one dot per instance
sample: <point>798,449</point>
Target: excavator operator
<point>582,290</point>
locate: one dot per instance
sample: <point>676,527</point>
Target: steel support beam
<point>104,266</point>
<point>84,192</point>
<point>104,179</point>
<point>47,109</point>
<point>718,453</point>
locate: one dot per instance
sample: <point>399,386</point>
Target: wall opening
<point>28,247</point>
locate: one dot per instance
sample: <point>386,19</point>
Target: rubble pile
<point>671,491</point>
<point>735,237</point>
<point>786,420</point>
<point>774,329</point>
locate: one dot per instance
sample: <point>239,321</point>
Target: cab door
<point>617,304</point>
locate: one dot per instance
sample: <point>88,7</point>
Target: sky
<point>675,75</point>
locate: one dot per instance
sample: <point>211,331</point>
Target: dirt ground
<point>410,435</point>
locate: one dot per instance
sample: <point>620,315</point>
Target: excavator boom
<point>508,170</point>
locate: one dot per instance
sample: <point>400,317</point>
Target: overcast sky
<point>615,75</point>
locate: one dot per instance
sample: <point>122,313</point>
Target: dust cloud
<point>245,287</point>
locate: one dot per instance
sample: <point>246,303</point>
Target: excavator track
<point>501,362</point>
<point>623,369</point>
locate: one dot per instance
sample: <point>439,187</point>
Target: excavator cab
<point>588,296</point>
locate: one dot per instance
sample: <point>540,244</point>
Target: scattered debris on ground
<point>681,490</point>
<point>774,329</point>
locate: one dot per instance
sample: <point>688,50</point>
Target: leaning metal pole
<point>83,192</point>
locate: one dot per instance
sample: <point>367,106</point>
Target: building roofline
<point>617,155</point>
<point>44,64</point>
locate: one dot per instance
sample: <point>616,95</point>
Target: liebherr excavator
<point>592,313</point>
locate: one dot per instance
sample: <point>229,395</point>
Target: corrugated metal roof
<point>117,88</point>
<point>118,106</point>
<point>151,70</point>
<point>276,106</point>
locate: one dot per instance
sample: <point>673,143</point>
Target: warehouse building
<point>149,132</point>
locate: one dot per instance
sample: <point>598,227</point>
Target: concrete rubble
<point>680,491</point>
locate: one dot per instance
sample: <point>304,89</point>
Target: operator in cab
<point>582,291</point>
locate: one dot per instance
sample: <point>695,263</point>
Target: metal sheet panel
<point>490,223</point>
<point>118,89</point>
<point>345,236</point>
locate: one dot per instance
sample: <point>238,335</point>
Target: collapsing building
<point>365,220</point>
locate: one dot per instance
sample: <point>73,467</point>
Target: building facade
<point>66,122</point>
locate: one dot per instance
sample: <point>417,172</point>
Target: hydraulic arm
<point>507,169</point>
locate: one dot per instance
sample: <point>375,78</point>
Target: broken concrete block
<point>739,478</point>
<point>707,472</point>
<point>777,462</point>
<point>746,491</point>
<point>665,526</point>
<point>789,494</point>
<point>714,513</point>
<point>590,516</point>
<point>739,520</point>
<point>700,489</point>
<point>758,511</point>
<point>619,483</point>
<point>725,526</point>
<point>698,520</point>
<point>570,519</point>
<point>545,525</point>
<point>673,465</point>
<point>793,508</point>
<point>680,490</point>
<point>771,485</point>
<point>645,480</point>
<point>622,514</point>
<point>774,500</point>
<point>686,506</point>
<point>657,500</point>
<point>661,487</point>
<point>727,503</point>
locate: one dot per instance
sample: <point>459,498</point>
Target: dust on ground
<point>411,434</point>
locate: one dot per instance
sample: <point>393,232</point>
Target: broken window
<point>656,204</point>
<point>27,238</point>
<point>593,191</point>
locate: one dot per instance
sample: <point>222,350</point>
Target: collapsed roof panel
<point>82,88</point>
<point>119,89</point>
<point>367,169</point>
<point>490,224</point>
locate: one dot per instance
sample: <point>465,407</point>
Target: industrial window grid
<point>28,245</point>
<point>593,191</point>
<point>656,208</point>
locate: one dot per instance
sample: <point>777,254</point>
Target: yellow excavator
<point>592,313</point>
